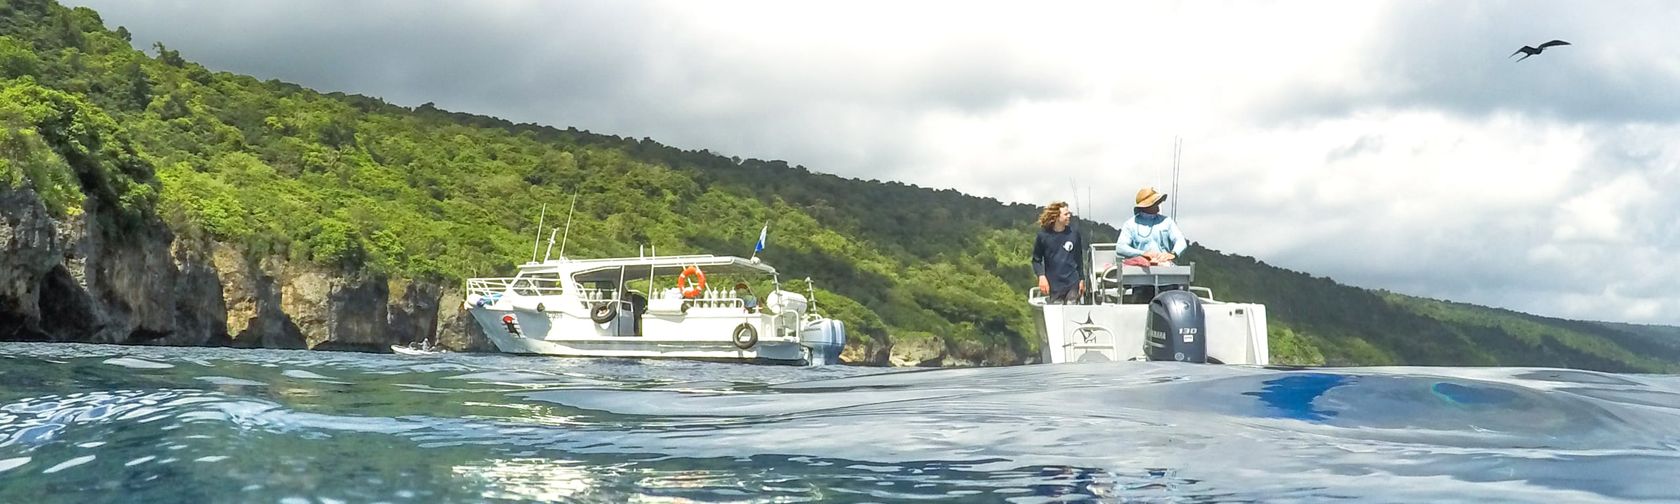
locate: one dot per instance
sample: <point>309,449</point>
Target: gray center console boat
<point>1148,313</point>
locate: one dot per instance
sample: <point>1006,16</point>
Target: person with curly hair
<point>1057,256</point>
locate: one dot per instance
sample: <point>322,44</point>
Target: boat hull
<point>1236,332</point>
<point>692,336</point>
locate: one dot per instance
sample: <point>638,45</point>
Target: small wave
<point>70,463</point>
<point>13,463</point>
<point>133,363</point>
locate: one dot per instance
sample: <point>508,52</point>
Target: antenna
<point>537,241</point>
<point>1084,258</point>
<point>568,228</point>
<point>1077,209</point>
<point>551,245</point>
<point>811,291</point>
<point>1178,149</point>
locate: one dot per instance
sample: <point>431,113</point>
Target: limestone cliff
<point>69,280</point>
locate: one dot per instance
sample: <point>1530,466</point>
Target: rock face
<point>456,329</point>
<point>71,280</point>
<point>202,319</point>
<point>74,281</point>
<point>413,311</point>
<point>31,253</point>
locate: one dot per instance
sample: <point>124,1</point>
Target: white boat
<point>418,348</point>
<point>1123,319</point>
<point>628,307</point>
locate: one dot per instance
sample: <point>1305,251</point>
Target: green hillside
<point>359,184</point>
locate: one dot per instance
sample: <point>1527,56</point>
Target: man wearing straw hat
<point>1148,235</point>
<point>1148,239</point>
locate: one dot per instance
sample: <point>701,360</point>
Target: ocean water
<point>92,423</point>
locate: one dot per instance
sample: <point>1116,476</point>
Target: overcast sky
<point>1385,145</point>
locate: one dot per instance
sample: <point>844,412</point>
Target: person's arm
<point>1038,264</point>
<point>1079,258</point>
<point>1038,255</point>
<point>1123,248</point>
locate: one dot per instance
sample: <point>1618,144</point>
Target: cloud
<point>1423,55</point>
<point>1388,145</point>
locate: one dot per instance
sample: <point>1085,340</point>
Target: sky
<point>1388,145</point>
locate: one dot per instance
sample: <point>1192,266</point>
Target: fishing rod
<point>568,233</point>
<point>537,241</point>
<point>1085,259</point>
<point>1178,154</point>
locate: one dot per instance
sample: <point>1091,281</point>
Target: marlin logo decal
<point>1087,331</point>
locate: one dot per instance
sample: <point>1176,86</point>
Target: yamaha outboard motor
<point>1177,329</point>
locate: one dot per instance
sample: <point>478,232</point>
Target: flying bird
<point>1527,51</point>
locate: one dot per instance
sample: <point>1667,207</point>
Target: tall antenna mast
<point>1084,255</point>
<point>1077,207</point>
<point>537,241</point>
<point>550,244</point>
<point>568,226</point>
<point>1178,149</point>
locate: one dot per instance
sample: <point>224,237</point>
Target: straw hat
<point>1147,197</point>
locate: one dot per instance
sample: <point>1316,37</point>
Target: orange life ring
<point>691,291</point>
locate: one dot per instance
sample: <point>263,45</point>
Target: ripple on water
<point>230,381</point>
<point>304,375</point>
<point>70,463</point>
<point>134,363</point>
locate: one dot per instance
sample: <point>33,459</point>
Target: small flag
<point>762,234</point>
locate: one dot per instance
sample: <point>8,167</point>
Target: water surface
<point>91,423</point>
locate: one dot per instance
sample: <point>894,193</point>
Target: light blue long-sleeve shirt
<point>1149,232</point>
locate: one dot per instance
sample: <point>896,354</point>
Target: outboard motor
<point>1177,328</point>
<point>826,338</point>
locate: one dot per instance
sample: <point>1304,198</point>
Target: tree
<point>139,86</point>
<point>17,60</point>
<point>168,56</point>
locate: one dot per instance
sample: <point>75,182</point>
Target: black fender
<point>745,336</point>
<point>602,313</point>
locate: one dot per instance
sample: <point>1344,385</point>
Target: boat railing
<point>488,286</point>
<point>709,298</point>
<point>1109,281</point>
<point>524,286</point>
<point>735,303</point>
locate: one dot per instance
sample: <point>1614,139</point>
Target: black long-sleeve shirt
<point>1056,256</point>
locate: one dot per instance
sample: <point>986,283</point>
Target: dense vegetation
<point>366,186</point>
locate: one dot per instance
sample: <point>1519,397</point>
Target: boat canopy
<point>596,270</point>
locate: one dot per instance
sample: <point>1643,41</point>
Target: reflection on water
<point>529,478</point>
<point>1292,395</point>
<point>81,423</point>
